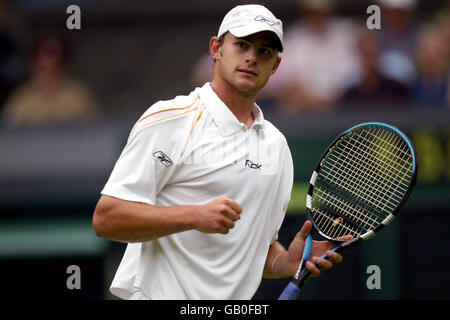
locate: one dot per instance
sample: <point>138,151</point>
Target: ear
<point>276,65</point>
<point>214,47</point>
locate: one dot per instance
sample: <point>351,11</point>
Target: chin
<point>248,86</point>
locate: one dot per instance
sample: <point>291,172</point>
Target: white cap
<point>245,20</point>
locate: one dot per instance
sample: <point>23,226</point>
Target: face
<point>245,63</point>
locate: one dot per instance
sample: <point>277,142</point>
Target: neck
<point>239,103</point>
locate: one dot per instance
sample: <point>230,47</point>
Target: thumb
<point>305,230</point>
<point>297,245</point>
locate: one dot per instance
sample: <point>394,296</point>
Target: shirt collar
<point>222,115</point>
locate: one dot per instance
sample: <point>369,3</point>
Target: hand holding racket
<point>361,182</point>
<point>318,250</point>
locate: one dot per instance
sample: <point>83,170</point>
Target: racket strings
<point>364,188</point>
<point>373,167</point>
<point>366,173</point>
<point>392,155</point>
<point>323,219</point>
<point>360,179</point>
<point>374,199</point>
<point>392,181</point>
<point>354,221</point>
<point>402,177</point>
<point>371,162</point>
<point>336,202</point>
<point>396,138</point>
<point>373,158</point>
<point>384,177</point>
<point>352,188</point>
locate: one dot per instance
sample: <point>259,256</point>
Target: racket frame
<point>293,289</point>
<point>391,216</point>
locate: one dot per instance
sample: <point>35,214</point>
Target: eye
<point>242,44</point>
<point>267,52</point>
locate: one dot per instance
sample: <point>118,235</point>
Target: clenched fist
<point>217,216</point>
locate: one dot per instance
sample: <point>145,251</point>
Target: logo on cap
<point>264,19</point>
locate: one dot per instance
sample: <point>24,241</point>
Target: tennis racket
<point>360,184</point>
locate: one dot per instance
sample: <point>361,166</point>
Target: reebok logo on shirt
<point>253,165</point>
<point>165,160</point>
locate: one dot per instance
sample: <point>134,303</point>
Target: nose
<point>251,55</point>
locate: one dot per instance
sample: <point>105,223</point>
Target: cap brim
<point>244,31</point>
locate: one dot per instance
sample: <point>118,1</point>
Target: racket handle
<point>291,292</point>
<point>305,274</point>
<point>336,249</point>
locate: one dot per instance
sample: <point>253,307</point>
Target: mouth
<point>248,72</point>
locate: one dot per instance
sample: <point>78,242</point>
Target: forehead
<point>264,38</point>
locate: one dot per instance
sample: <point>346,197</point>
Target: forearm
<point>276,265</point>
<point>128,221</point>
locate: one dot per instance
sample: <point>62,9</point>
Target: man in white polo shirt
<point>202,186</point>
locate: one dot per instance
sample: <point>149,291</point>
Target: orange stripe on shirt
<point>169,110</point>
<point>194,124</point>
<point>200,115</point>
<point>136,124</point>
<point>174,116</point>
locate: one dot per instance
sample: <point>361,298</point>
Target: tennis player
<point>202,186</point>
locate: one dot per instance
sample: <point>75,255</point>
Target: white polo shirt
<point>190,151</point>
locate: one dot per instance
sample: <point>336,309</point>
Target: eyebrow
<point>271,45</point>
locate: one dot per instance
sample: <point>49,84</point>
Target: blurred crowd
<point>335,63</point>
<point>331,63</point>
<point>36,88</point>
<point>50,95</point>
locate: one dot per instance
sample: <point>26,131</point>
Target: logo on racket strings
<point>337,221</point>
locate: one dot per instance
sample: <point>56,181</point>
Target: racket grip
<point>291,292</point>
<point>336,249</point>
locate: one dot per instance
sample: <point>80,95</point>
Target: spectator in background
<point>374,90</point>
<point>203,70</point>
<point>319,61</point>
<point>431,88</point>
<point>51,96</point>
<point>442,21</point>
<point>11,63</point>
<point>398,36</point>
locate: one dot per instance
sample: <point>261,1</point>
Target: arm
<point>282,263</point>
<point>273,268</point>
<point>129,221</point>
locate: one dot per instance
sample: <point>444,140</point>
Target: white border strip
<point>313,178</point>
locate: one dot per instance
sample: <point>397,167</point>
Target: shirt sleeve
<point>145,164</point>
